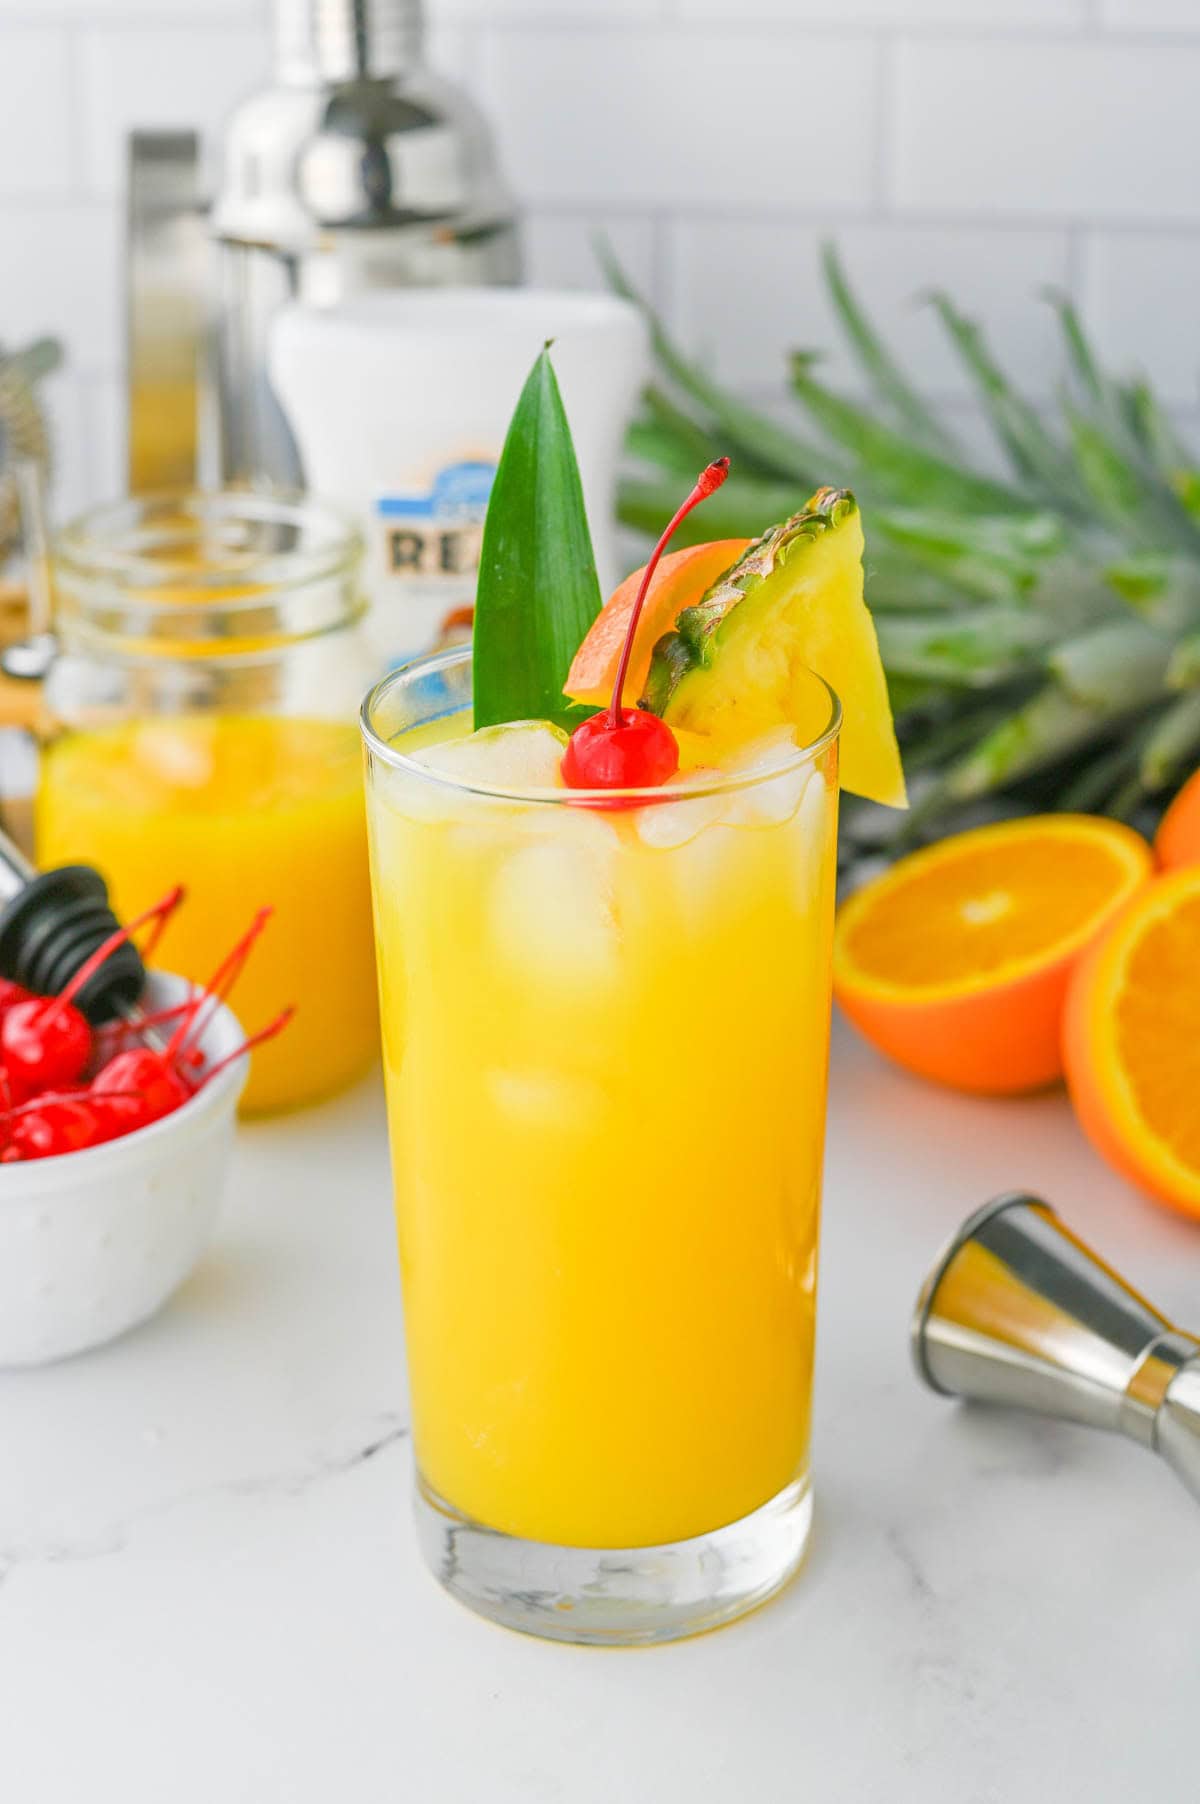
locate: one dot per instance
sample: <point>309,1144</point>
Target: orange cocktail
<point>605,1040</point>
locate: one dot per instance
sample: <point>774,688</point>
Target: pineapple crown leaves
<point>1041,626</point>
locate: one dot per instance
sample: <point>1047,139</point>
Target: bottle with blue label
<point>433,536</point>
<point>399,402</point>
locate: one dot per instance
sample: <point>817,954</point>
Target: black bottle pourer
<point>50,922</point>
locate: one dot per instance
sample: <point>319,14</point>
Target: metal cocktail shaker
<point>1018,1311</point>
<point>357,168</point>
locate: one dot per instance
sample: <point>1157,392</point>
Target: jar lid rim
<point>124,542</point>
<point>225,573</point>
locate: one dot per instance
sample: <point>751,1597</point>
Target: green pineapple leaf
<point>995,557</point>
<point>1113,486</point>
<point>1109,664</point>
<point>1103,775</point>
<point>1125,450</point>
<point>1153,430</point>
<point>1037,460</point>
<point>1050,725</point>
<point>695,441</point>
<point>1183,672</point>
<point>736,511</point>
<point>1162,587</point>
<point>890,462</point>
<point>878,364</point>
<point>1172,748</point>
<point>1080,356</point>
<point>976,650</point>
<point>538,592</point>
<point>753,435</point>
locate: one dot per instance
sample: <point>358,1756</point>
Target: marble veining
<point>210,1586</point>
<point>115,1538</point>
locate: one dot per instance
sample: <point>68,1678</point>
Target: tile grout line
<point>886,91</point>
<point>1077,265</point>
<point>662,264</point>
<point>83,16</point>
<point>864,216</point>
<point>765,25</point>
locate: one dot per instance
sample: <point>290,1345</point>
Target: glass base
<point>610,1596</point>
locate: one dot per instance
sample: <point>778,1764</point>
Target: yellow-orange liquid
<point>243,811</point>
<point>606,1065</point>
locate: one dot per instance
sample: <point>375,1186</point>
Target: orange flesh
<point>1157,1028</point>
<point>1177,841</point>
<point>972,917</point>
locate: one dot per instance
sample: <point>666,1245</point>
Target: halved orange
<point>955,962</point>
<point>1177,842</point>
<point>680,580</point>
<point>1131,1041</point>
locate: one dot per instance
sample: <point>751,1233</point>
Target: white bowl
<point>94,1242</point>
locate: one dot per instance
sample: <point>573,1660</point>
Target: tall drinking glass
<point>606,1036</point>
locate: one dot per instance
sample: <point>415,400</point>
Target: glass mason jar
<point>605,1035</point>
<point>203,731</point>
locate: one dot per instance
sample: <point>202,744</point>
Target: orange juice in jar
<point>205,706</point>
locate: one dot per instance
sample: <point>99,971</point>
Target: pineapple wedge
<point>739,661</point>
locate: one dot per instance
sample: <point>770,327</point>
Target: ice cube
<point>813,858</point>
<point>520,755</point>
<point>552,917</point>
<point>771,800</point>
<point>176,759</point>
<point>499,828</point>
<point>767,802</point>
<point>668,825</point>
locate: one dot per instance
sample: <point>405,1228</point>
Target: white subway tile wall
<point>716,119</point>
<point>994,147</point>
<point>35,81</point>
<point>746,292</point>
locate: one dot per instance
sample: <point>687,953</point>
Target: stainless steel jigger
<point>1019,1311</point>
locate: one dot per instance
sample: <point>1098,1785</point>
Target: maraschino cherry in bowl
<point>93,1242</point>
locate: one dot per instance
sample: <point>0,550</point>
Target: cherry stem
<point>160,914</point>
<point>217,988</point>
<point>264,1033</point>
<point>708,481</point>
<point>160,1017</point>
<point>118,1033</point>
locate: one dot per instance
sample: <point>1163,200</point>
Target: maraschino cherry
<point>45,1042</point>
<point>629,748</point>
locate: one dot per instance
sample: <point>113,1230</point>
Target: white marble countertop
<point>210,1592</point>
